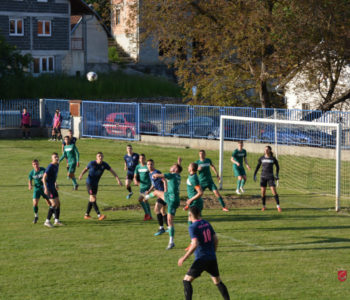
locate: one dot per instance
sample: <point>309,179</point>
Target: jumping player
<point>237,158</point>
<point>267,161</point>
<point>71,153</point>
<point>204,243</point>
<point>205,179</point>
<point>96,169</point>
<point>141,178</point>
<point>171,196</point>
<point>50,189</point>
<point>194,190</point>
<point>159,208</point>
<point>131,160</point>
<point>37,175</point>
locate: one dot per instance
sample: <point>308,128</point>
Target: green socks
<point>74,181</point>
<point>143,204</point>
<point>148,208</point>
<point>242,183</point>
<point>171,231</point>
<point>35,209</point>
<point>222,202</point>
<point>238,184</point>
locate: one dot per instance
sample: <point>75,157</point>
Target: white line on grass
<point>81,197</point>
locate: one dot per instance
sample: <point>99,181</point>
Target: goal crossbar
<point>337,126</point>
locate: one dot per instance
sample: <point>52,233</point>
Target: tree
<point>11,61</point>
<point>227,48</point>
<point>103,8</point>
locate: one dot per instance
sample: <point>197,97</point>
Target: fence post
<point>138,120</point>
<point>162,114</point>
<point>191,110</point>
<point>42,112</point>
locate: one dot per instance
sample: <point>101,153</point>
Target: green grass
<point>115,85</point>
<point>262,255</point>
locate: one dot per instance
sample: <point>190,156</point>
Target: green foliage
<point>11,61</point>
<point>269,256</point>
<point>115,85</point>
<point>103,8</point>
<point>113,55</point>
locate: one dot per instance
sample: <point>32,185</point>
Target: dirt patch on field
<point>210,202</point>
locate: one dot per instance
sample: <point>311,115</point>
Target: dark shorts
<point>267,181</point>
<point>199,265</point>
<point>92,189</point>
<point>52,192</point>
<point>72,167</point>
<point>38,192</point>
<point>56,129</point>
<point>26,126</point>
<point>161,201</point>
<point>130,176</point>
<point>209,185</point>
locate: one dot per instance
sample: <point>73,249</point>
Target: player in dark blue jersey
<point>160,207</point>
<point>267,161</point>
<point>204,243</point>
<point>131,160</point>
<point>96,169</point>
<point>50,189</point>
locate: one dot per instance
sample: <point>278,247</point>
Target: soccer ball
<point>91,76</point>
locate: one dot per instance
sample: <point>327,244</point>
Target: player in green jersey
<point>141,178</point>
<point>205,179</point>
<point>71,153</point>
<point>238,156</point>
<point>37,175</point>
<point>171,196</point>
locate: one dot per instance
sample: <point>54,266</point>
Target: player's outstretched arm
<point>196,196</point>
<point>179,160</point>
<point>82,173</point>
<point>116,176</point>
<point>215,171</point>
<point>30,184</point>
<point>257,169</point>
<point>194,245</point>
<point>157,175</point>
<point>44,182</point>
<point>246,163</point>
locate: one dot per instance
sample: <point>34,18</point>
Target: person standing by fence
<point>26,123</point>
<point>56,126</point>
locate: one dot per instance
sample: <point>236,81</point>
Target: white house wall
<point>97,41</point>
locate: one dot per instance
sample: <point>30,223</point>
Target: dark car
<point>208,127</point>
<point>284,136</point>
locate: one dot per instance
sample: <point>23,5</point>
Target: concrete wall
<point>97,41</point>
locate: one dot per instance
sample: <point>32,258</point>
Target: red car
<point>124,124</point>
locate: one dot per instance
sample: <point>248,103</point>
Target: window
<point>305,106</point>
<point>44,28</point>
<point>43,65</point>
<point>16,27</point>
<point>117,17</point>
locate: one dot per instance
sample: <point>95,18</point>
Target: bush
<point>113,55</point>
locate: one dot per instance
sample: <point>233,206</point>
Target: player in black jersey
<point>267,177</point>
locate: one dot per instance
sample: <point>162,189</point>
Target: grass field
<point>262,255</point>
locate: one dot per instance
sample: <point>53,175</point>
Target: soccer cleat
<point>225,209</point>
<point>35,220</point>
<point>48,224</point>
<point>129,196</point>
<point>58,223</point>
<point>238,192</point>
<point>159,232</point>
<point>147,217</point>
<point>186,207</point>
<point>75,188</point>
<point>101,217</point>
<point>87,217</point>
<point>170,246</point>
<point>279,209</point>
<point>167,230</point>
<point>242,190</point>
<point>263,208</point>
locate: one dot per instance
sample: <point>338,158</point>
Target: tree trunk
<point>263,94</point>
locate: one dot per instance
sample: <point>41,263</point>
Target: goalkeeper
<point>267,177</point>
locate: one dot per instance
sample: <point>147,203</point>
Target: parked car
<point>92,124</point>
<point>124,124</point>
<point>199,127</point>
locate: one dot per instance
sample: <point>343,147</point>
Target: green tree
<point>11,60</point>
<point>227,48</point>
<point>103,8</point>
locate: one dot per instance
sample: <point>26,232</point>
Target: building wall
<point>97,41</point>
<point>299,95</point>
<point>33,6</point>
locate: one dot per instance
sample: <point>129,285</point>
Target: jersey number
<point>207,235</point>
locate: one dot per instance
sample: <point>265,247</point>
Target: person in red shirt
<point>26,123</point>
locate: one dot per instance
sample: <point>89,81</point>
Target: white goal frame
<point>337,126</point>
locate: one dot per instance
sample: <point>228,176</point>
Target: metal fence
<point>111,120</point>
<point>10,112</point>
<point>129,120</point>
<point>50,108</point>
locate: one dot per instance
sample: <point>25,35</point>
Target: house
<point>128,37</point>
<point>43,29</point>
<point>300,94</point>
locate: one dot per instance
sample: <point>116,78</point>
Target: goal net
<point>309,153</point>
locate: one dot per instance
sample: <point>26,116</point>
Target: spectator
<point>26,123</point>
<point>56,126</point>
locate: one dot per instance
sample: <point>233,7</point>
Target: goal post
<point>282,132</point>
